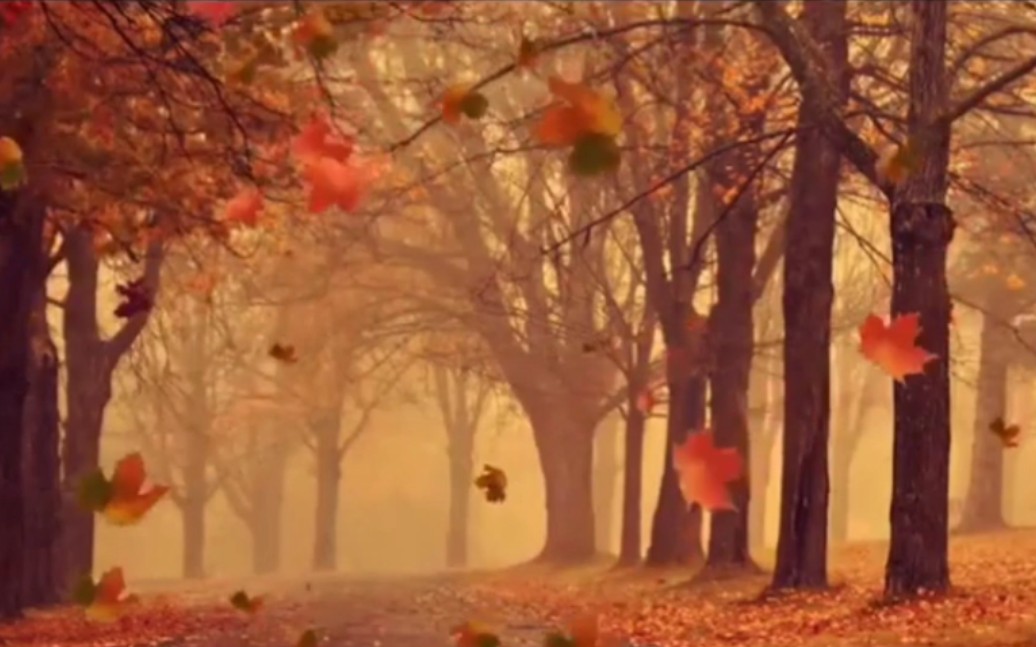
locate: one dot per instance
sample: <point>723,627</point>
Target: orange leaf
<point>217,13</point>
<point>893,348</point>
<point>317,140</point>
<point>244,208</point>
<point>586,112</point>
<point>452,101</point>
<point>583,630</point>
<point>705,470</point>
<point>129,501</point>
<point>334,183</point>
<point>108,603</point>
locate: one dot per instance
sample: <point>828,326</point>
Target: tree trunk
<point>605,480</point>
<point>983,504</point>
<point>192,517</point>
<point>21,243</point>
<point>329,477</point>
<point>268,484</point>
<point>808,295</point>
<point>732,333</point>
<point>632,484</point>
<point>461,470</point>
<point>43,473</point>
<point>675,528</point>
<point>195,498</point>
<point>847,436</point>
<point>565,448</point>
<point>921,230</point>
<point>88,369</point>
<point>766,421</point>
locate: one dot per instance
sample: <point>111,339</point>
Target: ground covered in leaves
<point>994,604</point>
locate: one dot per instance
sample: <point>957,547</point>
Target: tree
<point>921,227</point>
<point>462,405</point>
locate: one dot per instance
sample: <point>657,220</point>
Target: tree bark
<point>632,484</point>
<point>43,467</point>
<point>921,230</point>
<point>847,436</point>
<point>192,517</point>
<point>267,502</point>
<point>21,244</point>
<point>983,504</point>
<point>766,420</point>
<point>565,449</point>
<point>807,301</point>
<point>461,470</point>
<point>605,481</point>
<point>676,529</point>
<point>731,332</point>
<point>329,477</point>
<point>89,363</point>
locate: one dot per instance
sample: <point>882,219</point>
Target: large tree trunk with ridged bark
<point>21,242</point>
<point>43,465</point>
<point>565,449</point>
<point>921,230</point>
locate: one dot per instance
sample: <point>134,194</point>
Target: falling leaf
<point>307,639</point>
<point>1008,434</point>
<point>593,154</point>
<point>705,470</point>
<point>460,100</point>
<point>472,634</point>
<point>11,11</point>
<point>896,164</point>
<point>528,53</point>
<point>317,140</point>
<point>494,481</point>
<point>580,112</point>
<point>284,353</point>
<point>130,501</point>
<point>315,34</point>
<point>646,401</point>
<point>243,208</point>
<point>242,602</point>
<point>334,183</point>
<point>215,13</point>
<point>136,299</point>
<point>893,348</point>
<point>103,600</point>
<point>12,164</point>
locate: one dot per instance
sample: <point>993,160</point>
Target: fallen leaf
<point>1014,282</point>
<point>893,348</point>
<point>1008,434</point>
<point>705,470</point>
<point>284,353</point>
<point>243,602</point>
<point>493,481</point>
<point>473,634</point>
<point>307,639</point>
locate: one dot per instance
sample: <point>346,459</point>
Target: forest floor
<point>993,604</point>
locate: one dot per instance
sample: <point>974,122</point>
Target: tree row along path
<point>995,601</point>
